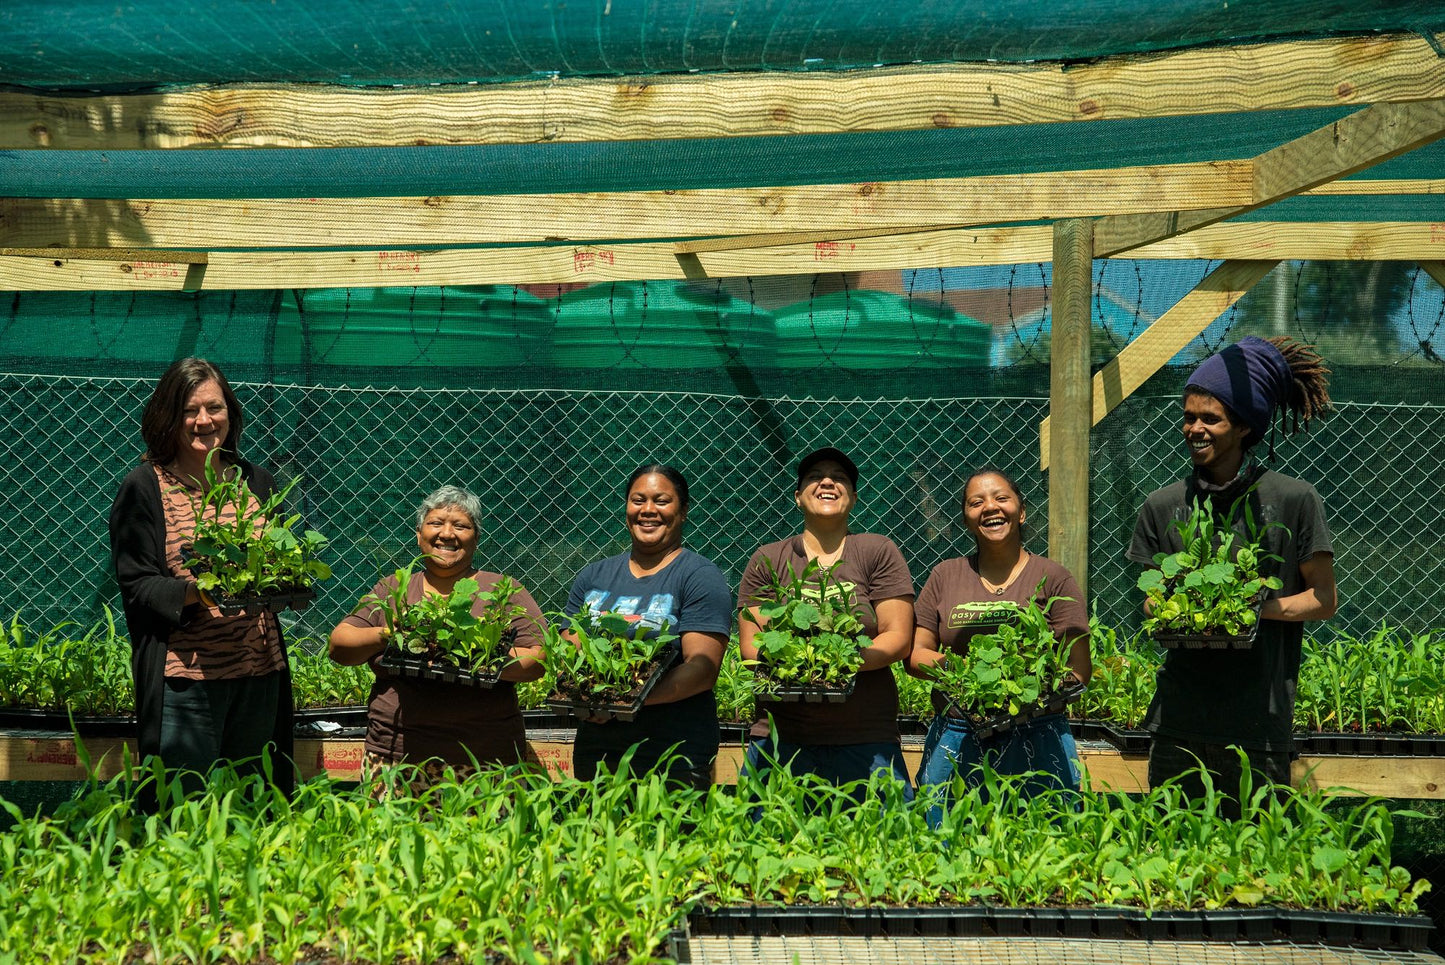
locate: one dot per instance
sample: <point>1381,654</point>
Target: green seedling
<point>601,658</point>
<point>1212,586</point>
<point>442,626</point>
<point>258,553</point>
<point>1003,673</point>
<point>809,632</point>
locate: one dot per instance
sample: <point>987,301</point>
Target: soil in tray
<point>1054,703</point>
<point>804,693</point>
<point>624,707</point>
<point>295,599</point>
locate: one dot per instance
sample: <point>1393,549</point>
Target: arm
<point>1317,601</point>
<point>352,646</point>
<point>528,665</point>
<point>702,655</point>
<point>138,552</point>
<point>925,653</point>
<point>748,619</point>
<point>1079,660</point>
<point>895,633</point>
<point>531,629</point>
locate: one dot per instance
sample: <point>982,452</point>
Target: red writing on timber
<point>407,261</point>
<point>582,259</point>
<point>157,269</point>
<point>339,759</point>
<point>51,752</point>
<point>1437,233</point>
<point>557,761</point>
<point>823,250</point>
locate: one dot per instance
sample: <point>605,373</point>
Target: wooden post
<point>1071,397</point>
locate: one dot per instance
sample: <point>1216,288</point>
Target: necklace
<point>999,588</point>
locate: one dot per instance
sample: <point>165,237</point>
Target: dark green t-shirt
<point>1243,697</point>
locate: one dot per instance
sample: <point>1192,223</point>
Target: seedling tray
<point>809,695</point>
<point>622,712</point>
<point>975,921</point>
<point>1211,641</point>
<point>274,602</point>
<point>86,725</point>
<point>419,667</point>
<point>1370,745</point>
<point>1128,741</point>
<point>1055,703</point>
<point>349,716</point>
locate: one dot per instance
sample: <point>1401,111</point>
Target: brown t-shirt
<point>415,719</point>
<point>957,607</point>
<point>870,715</point>
<point>210,646</point>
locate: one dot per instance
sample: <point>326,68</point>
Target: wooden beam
<point>1159,343</point>
<point>1254,77</point>
<point>1436,270</point>
<point>93,269</point>
<point>1365,138</point>
<point>1067,453</point>
<point>500,219</point>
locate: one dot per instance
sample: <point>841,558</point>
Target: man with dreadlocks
<point>1208,700</point>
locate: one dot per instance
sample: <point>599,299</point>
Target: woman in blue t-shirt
<point>659,583</point>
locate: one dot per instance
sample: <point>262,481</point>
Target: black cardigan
<point>154,603</point>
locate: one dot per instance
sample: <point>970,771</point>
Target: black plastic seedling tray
<point>1223,925</point>
<point>273,602</point>
<point>622,712</point>
<point>1054,703</point>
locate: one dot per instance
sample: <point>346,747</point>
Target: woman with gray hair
<point>429,722</point>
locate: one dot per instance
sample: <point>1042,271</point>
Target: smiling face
<point>448,538</point>
<point>993,511</point>
<point>1214,440</point>
<point>205,420</point>
<point>654,515</point>
<point>825,491</point>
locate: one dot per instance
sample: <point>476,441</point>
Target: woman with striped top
<point>208,687</point>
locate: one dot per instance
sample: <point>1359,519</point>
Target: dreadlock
<point>1309,396</point>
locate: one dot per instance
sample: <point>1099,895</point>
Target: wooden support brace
<point>1353,143</point>
<point>1069,391</point>
<point>1160,342</point>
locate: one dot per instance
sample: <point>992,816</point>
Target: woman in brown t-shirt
<point>208,687</point>
<point>845,741</point>
<point>432,723</point>
<point>971,595</point>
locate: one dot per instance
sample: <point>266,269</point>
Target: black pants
<point>204,722</point>
<point>694,752</point>
<point>1171,757</point>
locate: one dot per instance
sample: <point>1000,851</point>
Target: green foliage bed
<point>508,866</point>
<point>1389,680</point>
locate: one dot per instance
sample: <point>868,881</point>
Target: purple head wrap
<point>1251,378</point>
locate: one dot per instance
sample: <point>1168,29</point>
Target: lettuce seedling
<point>602,658</point>
<point>809,633</point>
<point>1213,586</point>
<point>1004,673</point>
<point>256,555</point>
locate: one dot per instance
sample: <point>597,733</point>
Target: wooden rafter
<point>1365,138</point>
<point>1164,339</point>
<point>1301,74</point>
<point>108,269</point>
<point>589,218</point>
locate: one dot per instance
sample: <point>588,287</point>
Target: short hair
<point>667,472</point>
<point>165,413</point>
<point>454,497</point>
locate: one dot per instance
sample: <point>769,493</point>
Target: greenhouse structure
<point>524,247</point>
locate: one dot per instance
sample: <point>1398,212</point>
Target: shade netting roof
<point>103,44</point>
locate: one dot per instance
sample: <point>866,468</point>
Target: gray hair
<point>451,497</point>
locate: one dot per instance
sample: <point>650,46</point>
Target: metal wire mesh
<point>549,465</point>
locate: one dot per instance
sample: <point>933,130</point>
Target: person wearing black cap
<point>1208,700</point>
<point>850,740</point>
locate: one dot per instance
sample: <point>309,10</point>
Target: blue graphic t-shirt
<point>689,595</point>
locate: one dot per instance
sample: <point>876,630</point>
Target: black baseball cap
<point>828,452</point>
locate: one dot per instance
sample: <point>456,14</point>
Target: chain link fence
<point>549,466</point>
